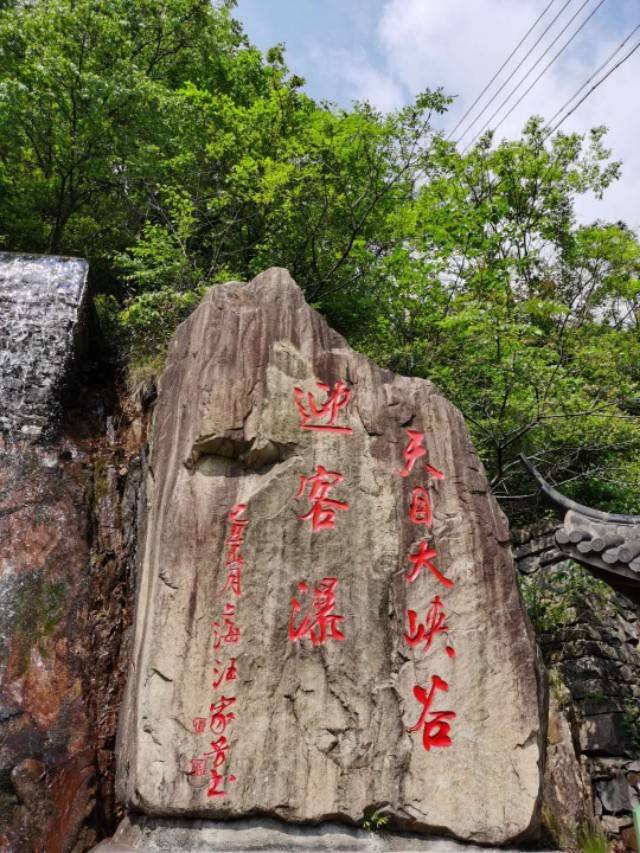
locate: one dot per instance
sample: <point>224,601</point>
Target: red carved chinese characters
<point>224,673</point>
<point>225,632</point>
<point>234,581</point>
<point>199,725</point>
<point>219,716</point>
<point>322,418</point>
<point>238,524</point>
<point>198,767</point>
<point>416,450</point>
<point>323,509</point>
<point>216,780</point>
<point>234,560</point>
<point>319,623</point>
<point>435,622</point>
<point>420,508</point>
<point>219,750</point>
<point>435,731</point>
<point>434,724</point>
<point>423,559</point>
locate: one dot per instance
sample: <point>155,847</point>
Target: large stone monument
<point>328,623</point>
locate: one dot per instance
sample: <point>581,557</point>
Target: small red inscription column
<point>225,632</point>
<point>435,725</point>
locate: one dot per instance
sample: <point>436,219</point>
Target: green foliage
<point>160,260</point>
<point>526,320</point>
<point>84,112</point>
<point>592,840</point>
<point>107,310</point>
<point>155,140</point>
<point>143,326</point>
<point>150,320</point>
<point>33,605</point>
<point>375,822</point>
<point>631,725</point>
<point>558,688</point>
<point>553,596</point>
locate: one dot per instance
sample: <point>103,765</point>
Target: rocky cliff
<point>590,636</point>
<point>68,506</point>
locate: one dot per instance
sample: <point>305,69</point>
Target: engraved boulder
<point>328,623</point>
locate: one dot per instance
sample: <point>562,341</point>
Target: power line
<point>504,64</point>
<point>595,73</point>
<point>593,88</point>
<point>535,65</point>
<point>583,99</point>
<point>548,66</point>
<point>518,66</point>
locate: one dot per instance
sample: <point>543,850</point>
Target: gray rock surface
<point>614,794</point>
<point>153,834</point>
<point>41,298</point>
<point>594,653</point>
<point>323,728</point>
<point>567,800</point>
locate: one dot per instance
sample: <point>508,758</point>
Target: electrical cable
<point>548,66</point>
<point>595,73</point>
<point>518,66</point>
<point>593,88</point>
<point>535,64</point>
<point>506,62</point>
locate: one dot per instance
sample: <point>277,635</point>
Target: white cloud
<point>358,78</point>
<point>459,44</point>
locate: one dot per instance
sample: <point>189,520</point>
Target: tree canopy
<point>155,140</point>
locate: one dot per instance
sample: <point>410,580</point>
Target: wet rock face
<point>46,752</point>
<point>46,756</point>
<point>327,619</point>
<point>68,521</point>
<point>41,299</point>
<point>68,525</point>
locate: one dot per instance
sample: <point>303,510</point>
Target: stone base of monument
<point>141,833</point>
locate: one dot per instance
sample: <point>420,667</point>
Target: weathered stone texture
<point>321,732</point>
<point>139,832</point>
<point>595,651</point>
<point>41,298</point>
<point>46,757</point>
<point>567,799</point>
<point>68,534</point>
<point>68,531</point>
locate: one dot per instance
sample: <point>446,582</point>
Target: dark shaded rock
<point>604,734</point>
<point>567,800</point>
<point>614,795</point>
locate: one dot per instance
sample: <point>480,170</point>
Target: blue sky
<point>385,51</point>
<point>308,26</point>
